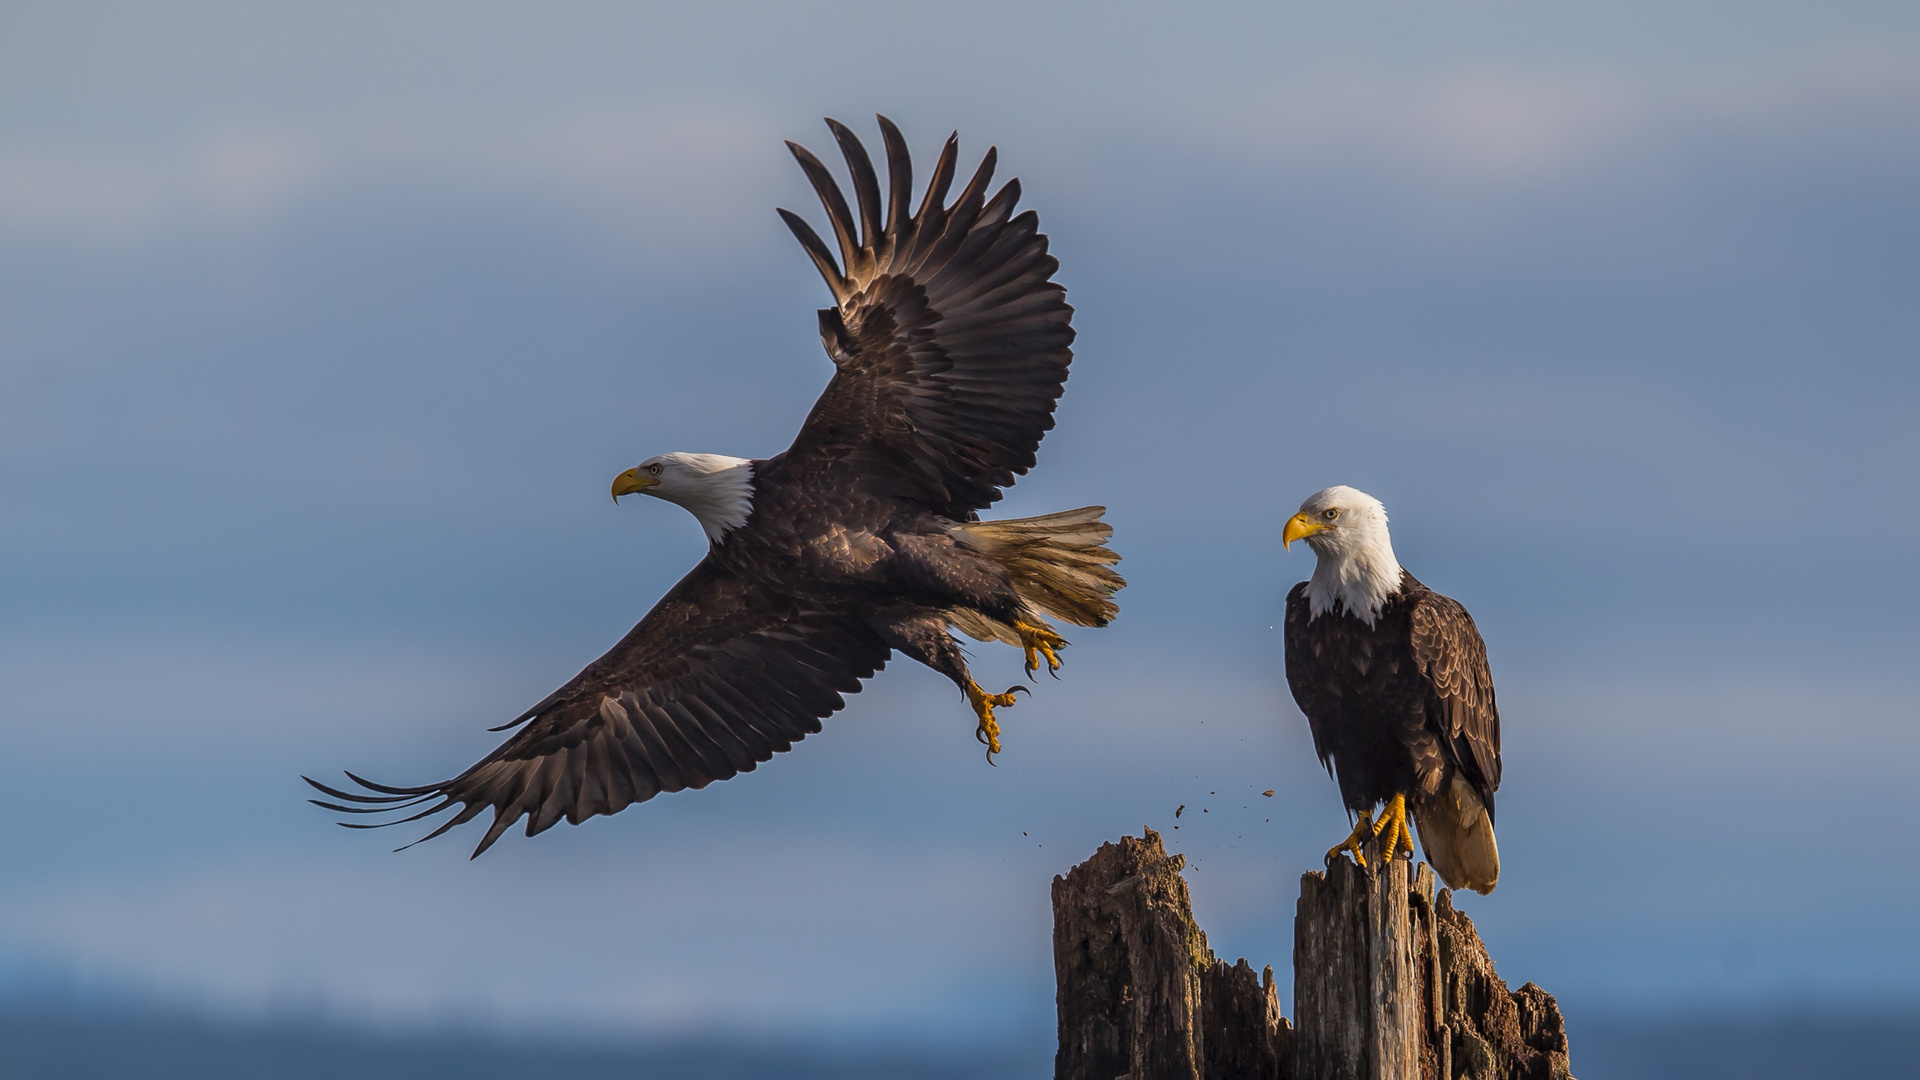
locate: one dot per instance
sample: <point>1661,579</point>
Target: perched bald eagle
<point>951,343</point>
<point>1393,679</point>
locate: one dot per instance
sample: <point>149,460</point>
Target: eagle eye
<point>654,468</point>
<point>1330,513</point>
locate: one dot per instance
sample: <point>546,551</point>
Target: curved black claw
<point>980,736</point>
<point>1019,688</point>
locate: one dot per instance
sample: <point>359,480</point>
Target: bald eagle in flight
<point>951,342</point>
<point>1393,680</point>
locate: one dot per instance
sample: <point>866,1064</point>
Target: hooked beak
<point>1299,527</point>
<point>632,482</point>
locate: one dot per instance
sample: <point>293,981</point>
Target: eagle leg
<point>983,705</point>
<point>1391,830</point>
<point>1355,841</point>
<point>1040,640</point>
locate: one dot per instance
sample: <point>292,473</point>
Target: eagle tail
<point>1457,833</point>
<point>1059,564</point>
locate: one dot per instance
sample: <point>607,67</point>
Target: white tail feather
<point>1059,564</point>
<point>1458,838</point>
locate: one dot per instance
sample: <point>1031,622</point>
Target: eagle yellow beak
<point>631,482</point>
<point>1299,527</point>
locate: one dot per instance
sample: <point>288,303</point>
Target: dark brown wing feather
<point>951,338</point>
<point>717,678</point>
<point>1448,648</point>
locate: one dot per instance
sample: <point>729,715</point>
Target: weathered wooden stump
<point>1490,1032</point>
<point>1390,983</point>
<point>1140,994</point>
<point>1361,993</point>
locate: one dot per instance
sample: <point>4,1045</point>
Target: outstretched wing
<point>1448,648</point>
<point>717,678</point>
<point>951,338</point>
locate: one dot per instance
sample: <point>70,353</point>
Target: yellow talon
<point>1392,831</point>
<point>1355,841</point>
<point>1040,640</point>
<point>983,705</point>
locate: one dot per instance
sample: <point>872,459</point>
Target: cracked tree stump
<point>1140,994</point>
<point>1490,1032</point>
<point>1358,984</point>
<point>1390,983</point>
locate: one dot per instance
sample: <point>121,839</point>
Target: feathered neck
<point>717,490</point>
<point>1356,570</point>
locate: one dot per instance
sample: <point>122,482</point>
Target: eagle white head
<point>716,489</point>
<point>1347,530</point>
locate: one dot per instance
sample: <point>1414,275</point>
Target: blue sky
<point>323,330</point>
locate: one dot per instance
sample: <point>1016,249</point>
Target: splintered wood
<point>1390,983</point>
<point>1140,994</point>
<point>1357,990</point>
